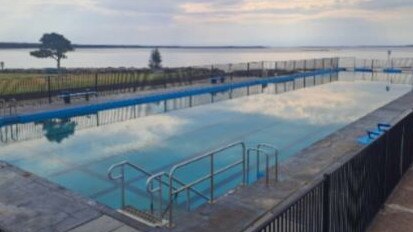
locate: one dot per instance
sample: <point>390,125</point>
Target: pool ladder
<point>156,183</point>
<point>150,218</point>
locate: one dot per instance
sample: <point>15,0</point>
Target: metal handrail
<point>121,176</point>
<point>210,176</point>
<point>151,190</point>
<point>149,182</point>
<point>258,152</point>
<point>276,154</point>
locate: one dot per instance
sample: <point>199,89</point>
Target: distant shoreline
<point>11,45</point>
<point>6,45</point>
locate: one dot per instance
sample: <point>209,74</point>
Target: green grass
<point>21,83</point>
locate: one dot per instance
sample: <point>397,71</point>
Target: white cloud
<point>198,21</point>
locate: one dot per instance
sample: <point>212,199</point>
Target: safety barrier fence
<point>47,88</point>
<point>348,197</point>
<point>393,65</point>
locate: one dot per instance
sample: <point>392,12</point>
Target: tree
<point>53,46</point>
<point>155,60</point>
<point>2,65</point>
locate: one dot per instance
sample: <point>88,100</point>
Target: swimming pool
<point>78,159</point>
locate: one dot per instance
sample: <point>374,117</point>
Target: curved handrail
<point>276,154</point>
<point>258,153</point>
<point>151,190</point>
<point>210,176</point>
<point>123,163</point>
<point>121,176</point>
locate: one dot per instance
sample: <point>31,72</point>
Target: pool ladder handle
<point>151,190</point>
<point>210,156</point>
<point>121,176</point>
<point>262,149</point>
<point>267,150</point>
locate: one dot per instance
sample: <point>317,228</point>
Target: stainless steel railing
<point>211,176</point>
<point>165,186</point>
<point>276,153</point>
<point>262,149</point>
<point>158,180</point>
<point>121,176</point>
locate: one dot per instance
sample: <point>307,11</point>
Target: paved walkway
<point>31,204</point>
<point>397,214</point>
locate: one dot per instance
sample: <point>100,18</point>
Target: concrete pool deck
<point>30,203</point>
<point>397,213</point>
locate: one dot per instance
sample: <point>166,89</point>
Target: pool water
<point>290,121</point>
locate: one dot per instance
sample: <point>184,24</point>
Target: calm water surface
<point>20,58</point>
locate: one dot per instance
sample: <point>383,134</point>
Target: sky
<point>275,23</point>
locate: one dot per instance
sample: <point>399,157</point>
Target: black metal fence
<point>29,86</point>
<point>349,197</point>
<point>350,63</point>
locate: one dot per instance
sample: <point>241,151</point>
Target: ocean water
<point>138,58</point>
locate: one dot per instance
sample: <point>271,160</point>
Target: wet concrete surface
<point>397,213</point>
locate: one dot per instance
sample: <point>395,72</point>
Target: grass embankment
<point>20,82</point>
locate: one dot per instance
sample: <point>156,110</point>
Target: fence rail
<point>44,86</point>
<point>348,198</point>
<point>351,63</point>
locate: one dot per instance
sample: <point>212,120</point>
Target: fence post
<point>48,90</point>
<point>96,82</point>
<point>248,69</point>
<point>262,69</point>
<point>326,203</point>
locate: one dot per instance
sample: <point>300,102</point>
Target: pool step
<point>142,216</point>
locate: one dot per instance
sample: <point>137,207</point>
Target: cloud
<point>199,21</point>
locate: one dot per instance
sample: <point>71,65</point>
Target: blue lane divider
<point>392,70</point>
<point>363,70</point>
<point>371,135</point>
<point>91,109</point>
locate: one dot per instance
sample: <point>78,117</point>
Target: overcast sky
<point>211,22</point>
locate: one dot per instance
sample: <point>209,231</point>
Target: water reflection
<point>338,102</point>
<point>56,130</point>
